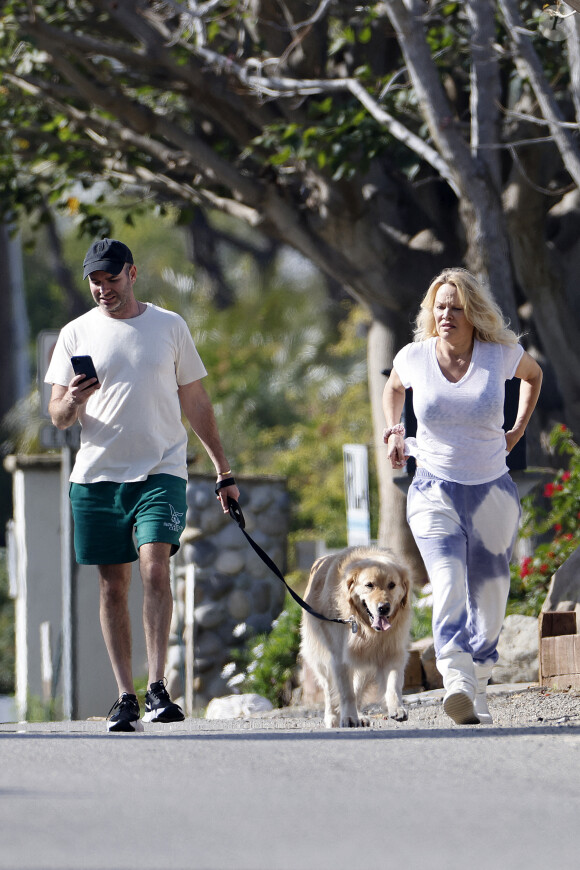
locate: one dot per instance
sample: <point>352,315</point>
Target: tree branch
<point>250,75</point>
<point>144,124</point>
<point>573,43</point>
<point>532,69</point>
<point>400,132</point>
<point>165,72</point>
<point>433,102</point>
<point>282,86</point>
<point>484,96</point>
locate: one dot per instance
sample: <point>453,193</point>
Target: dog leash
<point>236,514</point>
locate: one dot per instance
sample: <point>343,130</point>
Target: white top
<point>459,425</point>
<point>131,427</point>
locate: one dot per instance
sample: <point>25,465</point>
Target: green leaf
<point>281,157</point>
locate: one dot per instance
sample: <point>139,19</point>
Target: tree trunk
<point>76,304</point>
<point>14,369</point>
<point>394,531</point>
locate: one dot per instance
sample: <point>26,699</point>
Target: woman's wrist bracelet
<point>397,429</point>
<point>221,473</point>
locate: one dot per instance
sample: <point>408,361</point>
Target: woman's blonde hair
<point>481,309</point>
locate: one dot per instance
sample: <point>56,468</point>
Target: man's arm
<point>65,401</point>
<point>198,409</point>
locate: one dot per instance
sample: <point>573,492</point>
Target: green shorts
<point>107,514</point>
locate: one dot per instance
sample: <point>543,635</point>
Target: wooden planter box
<point>559,659</point>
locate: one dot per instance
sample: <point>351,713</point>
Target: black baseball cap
<point>106,255</point>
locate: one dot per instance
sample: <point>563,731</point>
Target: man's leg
<point>114,582</point>
<point>157,605</point>
<point>157,611</point>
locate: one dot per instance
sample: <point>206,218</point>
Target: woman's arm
<point>530,375</point>
<point>393,404</point>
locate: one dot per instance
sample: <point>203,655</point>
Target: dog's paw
<point>355,722</point>
<point>400,714</point>
<point>331,721</point>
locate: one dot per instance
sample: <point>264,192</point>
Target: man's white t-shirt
<point>459,425</point>
<point>131,427</point>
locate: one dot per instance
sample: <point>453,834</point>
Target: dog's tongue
<point>381,623</point>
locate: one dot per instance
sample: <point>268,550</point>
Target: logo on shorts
<point>175,525</point>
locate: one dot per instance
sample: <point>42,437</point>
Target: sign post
<point>356,483</point>
<point>44,348</point>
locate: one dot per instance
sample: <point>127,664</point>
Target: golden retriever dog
<point>370,586</point>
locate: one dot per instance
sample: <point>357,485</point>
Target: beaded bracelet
<point>397,429</point>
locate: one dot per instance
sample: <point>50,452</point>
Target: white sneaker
<point>459,706</point>
<point>481,709</point>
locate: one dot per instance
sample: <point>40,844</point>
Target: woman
<point>463,507</point>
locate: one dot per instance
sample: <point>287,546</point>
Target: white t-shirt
<point>131,427</point>
<point>459,425</point>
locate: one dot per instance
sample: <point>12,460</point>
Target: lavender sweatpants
<point>465,534</point>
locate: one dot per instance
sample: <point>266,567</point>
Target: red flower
<point>567,475</point>
<point>568,537</point>
<point>558,526</point>
<point>544,568</point>
<point>563,428</point>
<point>549,490</point>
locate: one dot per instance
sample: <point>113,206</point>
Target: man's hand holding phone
<point>85,381</point>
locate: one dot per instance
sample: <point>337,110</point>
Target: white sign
<point>45,346</point>
<point>356,484</point>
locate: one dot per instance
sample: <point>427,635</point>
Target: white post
<point>46,662</point>
<point>189,637</point>
<point>66,559</point>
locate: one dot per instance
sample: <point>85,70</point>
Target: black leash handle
<point>237,515</point>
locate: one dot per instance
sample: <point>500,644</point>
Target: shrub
<point>267,665</point>
<point>7,642</point>
<point>421,623</point>
<point>554,520</point>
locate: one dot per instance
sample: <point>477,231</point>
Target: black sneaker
<point>125,714</point>
<point>159,707</point>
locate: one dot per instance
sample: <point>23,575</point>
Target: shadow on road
<point>256,733</point>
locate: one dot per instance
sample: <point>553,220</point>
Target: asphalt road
<point>255,795</point>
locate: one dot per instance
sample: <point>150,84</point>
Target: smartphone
<point>83,365</point>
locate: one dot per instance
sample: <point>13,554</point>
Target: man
<point>130,473</point>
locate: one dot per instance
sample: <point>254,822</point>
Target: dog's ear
<point>351,579</point>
